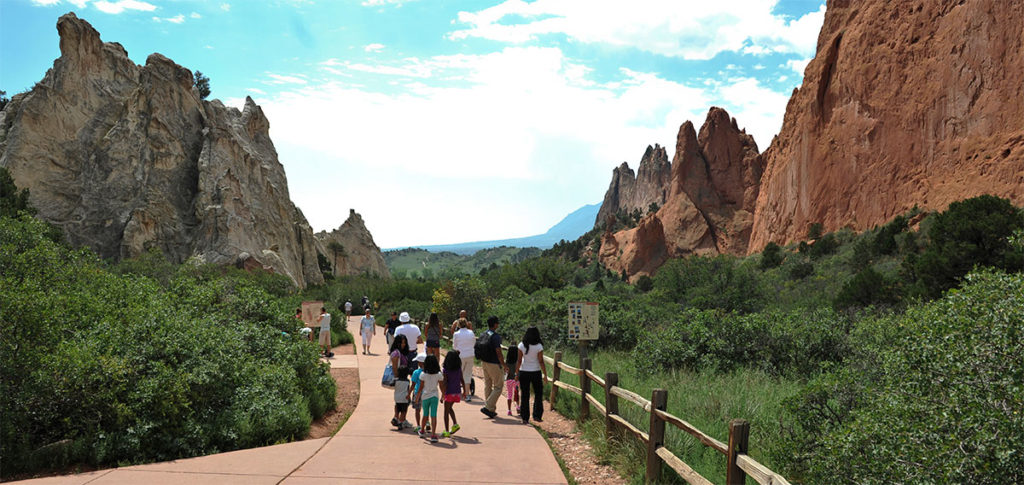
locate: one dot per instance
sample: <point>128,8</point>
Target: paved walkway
<point>366,450</point>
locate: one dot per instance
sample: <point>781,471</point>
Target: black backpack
<point>483,344</point>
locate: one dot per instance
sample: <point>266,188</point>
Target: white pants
<point>467,371</point>
<point>367,336</point>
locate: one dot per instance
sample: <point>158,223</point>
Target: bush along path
<point>500,450</point>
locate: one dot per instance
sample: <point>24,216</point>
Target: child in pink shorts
<point>511,379</point>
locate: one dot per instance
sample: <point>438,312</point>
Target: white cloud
<point>798,65</point>
<point>45,3</point>
<point>256,91</point>
<point>373,47</point>
<point>283,79</point>
<point>208,46</point>
<point>518,120</point>
<point>79,3</point>
<point>177,19</point>
<point>225,7</point>
<point>195,15</point>
<point>689,29</point>
<point>122,5</point>
<point>380,3</point>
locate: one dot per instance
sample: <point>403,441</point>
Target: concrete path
<point>366,450</point>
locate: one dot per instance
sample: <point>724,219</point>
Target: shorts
<point>401,407</point>
<point>453,398</point>
<point>430,407</point>
<point>511,385</point>
<point>325,337</point>
<point>416,405</point>
<point>433,344</point>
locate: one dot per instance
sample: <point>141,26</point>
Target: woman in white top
<point>531,370</point>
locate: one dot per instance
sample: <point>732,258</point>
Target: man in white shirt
<point>463,340</point>
<point>411,331</point>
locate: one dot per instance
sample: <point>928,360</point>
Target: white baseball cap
<point>404,317</point>
<point>420,357</point>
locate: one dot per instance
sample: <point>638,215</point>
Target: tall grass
<point>706,399</point>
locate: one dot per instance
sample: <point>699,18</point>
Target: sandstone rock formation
<point>905,103</point>
<point>125,158</point>
<point>712,189</point>
<point>351,250</point>
<point>628,192</point>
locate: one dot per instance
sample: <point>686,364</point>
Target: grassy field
<point>706,399</point>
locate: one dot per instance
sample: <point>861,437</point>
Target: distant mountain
<point>570,228</point>
<point>415,262</point>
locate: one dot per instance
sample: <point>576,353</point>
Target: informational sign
<point>583,324</point>
<point>311,311</point>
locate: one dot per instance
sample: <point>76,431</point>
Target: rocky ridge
<point>351,250</point>
<point>628,191</point>
<point>127,158</point>
<point>906,103</point>
<point>711,191</point>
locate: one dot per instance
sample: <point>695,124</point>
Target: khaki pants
<point>494,378</point>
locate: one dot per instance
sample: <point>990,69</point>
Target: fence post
<point>739,432</point>
<point>555,372</point>
<point>585,387</point>
<point>659,400</point>
<point>611,401</point>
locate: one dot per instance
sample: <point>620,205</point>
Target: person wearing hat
<point>411,331</point>
<point>418,366</point>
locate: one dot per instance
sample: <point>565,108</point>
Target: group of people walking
<point>423,380</point>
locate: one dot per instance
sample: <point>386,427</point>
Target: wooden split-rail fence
<point>738,463</point>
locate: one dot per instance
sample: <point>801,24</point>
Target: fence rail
<point>738,463</point>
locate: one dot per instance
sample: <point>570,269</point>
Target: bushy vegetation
<point>934,395</point>
<point>105,365</point>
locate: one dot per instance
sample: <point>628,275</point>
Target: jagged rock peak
<point>351,250</point>
<point>125,158</point>
<point>628,191</point>
<point>712,186</point>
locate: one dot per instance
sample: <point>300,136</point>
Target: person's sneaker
<point>488,412</point>
<point>509,412</point>
<point>433,438</point>
<point>426,429</point>
<point>419,431</point>
<point>455,428</point>
<point>538,420</point>
<point>394,422</point>
<point>406,424</point>
<point>446,435</point>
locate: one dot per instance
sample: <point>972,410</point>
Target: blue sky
<point>450,121</point>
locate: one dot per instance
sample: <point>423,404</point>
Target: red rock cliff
<point>907,102</point>
<point>712,189</point>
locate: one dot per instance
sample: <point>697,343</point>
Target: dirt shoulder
<point>346,398</point>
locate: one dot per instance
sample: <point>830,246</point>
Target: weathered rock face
<point>125,158</point>
<point>629,192</point>
<point>357,253</point>
<point>905,103</point>
<point>712,189</point>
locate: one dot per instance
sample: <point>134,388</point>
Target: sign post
<point>583,325</point>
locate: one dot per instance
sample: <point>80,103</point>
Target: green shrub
<point>970,233</point>
<point>644,283</point>
<point>800,270</point>
<point>100,368</point>
<point>867,288</point>
<point>719,282</point>
<point>939,401</point>
<point>771,256</point>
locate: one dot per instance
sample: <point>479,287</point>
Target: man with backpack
<point>488,350</point>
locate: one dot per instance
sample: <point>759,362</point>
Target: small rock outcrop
<point>906,103</point>
<point>351,250</point>
<point>712,190</point>
<point>125,158</point>
<point>628,192</point>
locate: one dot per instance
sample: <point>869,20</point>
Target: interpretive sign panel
<point>311,311</point>
<point>583,324</point>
